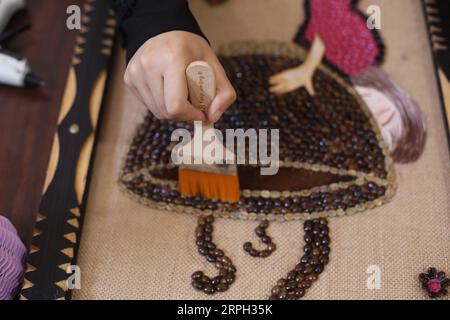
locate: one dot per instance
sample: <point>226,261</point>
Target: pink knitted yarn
<point>350,45</point>
<point>12,255</point>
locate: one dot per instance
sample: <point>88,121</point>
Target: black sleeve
<point>141,20</point>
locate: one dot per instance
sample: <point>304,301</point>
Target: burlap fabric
<point>129,251</point>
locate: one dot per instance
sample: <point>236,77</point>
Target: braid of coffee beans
<point>312,263</point>
<point>208,249</point>
<point>260,231</point>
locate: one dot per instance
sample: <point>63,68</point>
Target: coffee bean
<point>197,275</point>
<point>260,232</point>
<point>308,238</point>
<point>230,278</point>
<point>223,272</point>
<point>276,290</point>
<point>202,250</point>
<point>266,239</point>
<point>218,253</point>
<point>222,287</point>
<point>264,224</point>
<point>198,285</point>
<point>226,260</point>
<point>292,275</point>
<point>208,289</point>
<point>318,269</point>
<point>299,293</point>
<point>253,252</point>
<point>291,286</point>
<point>315,252</point>
<point>216,281</point>
<point>232,269</point>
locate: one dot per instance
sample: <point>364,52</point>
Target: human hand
<point>157,76</point>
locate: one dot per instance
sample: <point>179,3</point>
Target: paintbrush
<point>209,168</point>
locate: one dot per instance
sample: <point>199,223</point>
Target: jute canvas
<point>129,251</point>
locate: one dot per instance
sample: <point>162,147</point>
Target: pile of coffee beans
<point>212,254</point>
<point>329,128</point>
<point>260,231</point>
<point>311,265</point>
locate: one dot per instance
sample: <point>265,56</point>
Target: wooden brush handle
<point>201,83</point>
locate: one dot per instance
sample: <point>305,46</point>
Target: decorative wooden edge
<point>291,50</point>
<point>57,230</point>
<point>433,20</point>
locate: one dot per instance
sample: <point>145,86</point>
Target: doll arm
<point>301,76</point>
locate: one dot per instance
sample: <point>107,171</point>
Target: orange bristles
<point>224,187</point>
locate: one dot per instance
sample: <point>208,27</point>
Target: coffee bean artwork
<point>333,162</point>
<point>260,231</point>
<point>212,254</point>
<point>311,264</point>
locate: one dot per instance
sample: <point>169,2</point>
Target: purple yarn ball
<point>12,257</point>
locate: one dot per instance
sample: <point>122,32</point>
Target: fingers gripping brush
<point>207,168</point>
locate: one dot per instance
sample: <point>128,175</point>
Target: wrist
<point>147,22</point>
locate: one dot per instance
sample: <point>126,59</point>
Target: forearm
<point>141,20</point>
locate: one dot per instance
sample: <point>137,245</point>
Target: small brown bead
<point>305,284</point>
<point>265,253</point>
<point>232,269</point>
<point>318,269</point>
<point>260,231</point>
<point>316,252</point>
<point>253,252</point>
<point>223,272</point>
<point>198,285</point>
<point>229,278</point>
<point>276,290</point>
<point>205,279</point>
<point>216,280</point>
<point>208,289</point>
<point>248,246</point>
<point>281,282</point>
<point>264,224</point>
<point>312,277</point>
<point>325,250</point>
<point>197,275</point>
<point>283,294</point>
<point>222,287</point>
<point>218,253</point>
<point>291,285</point>
<point>292,275</point>
<point>308,269</point>
<point>299,293</point>
<point>266,239</point>
<point>300,278</point>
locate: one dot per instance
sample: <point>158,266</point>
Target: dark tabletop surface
<point>28,116</point>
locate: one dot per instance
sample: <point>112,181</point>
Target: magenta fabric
<point>350,45</point>
<point>12,256</point>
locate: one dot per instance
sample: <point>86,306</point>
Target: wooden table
<point>28,116</point>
